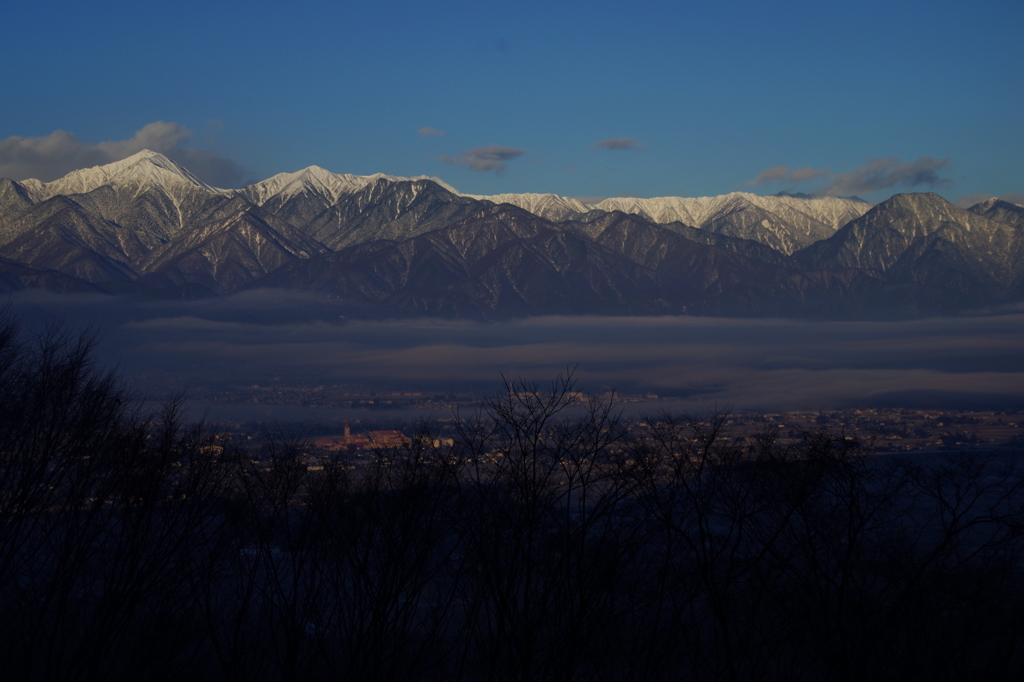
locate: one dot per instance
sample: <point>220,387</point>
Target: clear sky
<point>582,99</point>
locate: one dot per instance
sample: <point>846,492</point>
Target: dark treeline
<point>550,542</point>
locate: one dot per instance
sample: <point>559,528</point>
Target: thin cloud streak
<point>486,159</point>
<point>619,144</point>
<point>874,175</point>
<point>427,131</point>
<point>52,156</point>
<point>889,172</point>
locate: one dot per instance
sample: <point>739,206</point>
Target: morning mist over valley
<point>522,341</point>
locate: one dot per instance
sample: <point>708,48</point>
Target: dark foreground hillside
<point>547,542</point>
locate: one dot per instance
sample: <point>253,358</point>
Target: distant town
<point>897,430</point>
<point>390,418</point>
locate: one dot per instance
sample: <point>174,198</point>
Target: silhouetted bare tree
<point>551,540</point>
<point>99,510</point>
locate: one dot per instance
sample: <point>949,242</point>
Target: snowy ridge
<point>983,206</point>
<point>148,169</point>
<point>549,206</point>
<point>313,179</point>
<point>137,173</point>
<point>834,212</point>
<point>785,223</point>
<point>990,202</point>
<point>317,180</point>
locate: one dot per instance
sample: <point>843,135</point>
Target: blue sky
<point>582,99</point>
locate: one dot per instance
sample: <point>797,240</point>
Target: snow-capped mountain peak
<point>140,171</point>
<point>312,179</point>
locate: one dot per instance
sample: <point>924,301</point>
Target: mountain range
<point>145,226</point>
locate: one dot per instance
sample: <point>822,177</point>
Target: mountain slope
<point>833,212</point>
<point>923,238</point>
<point>146,192</point>
<point>879,238</point>
<point>14,203</point>
<point>506,262</point>
<point>16,276</point>
<point>1000,211</point>
<point>140,172</point>
<point>226,254</point>
<point>387,209</point>
<point>784,222</point>
<point>77,242</point>
<point>594,224</point>
<point>148,226</point>
<point>511,262</point>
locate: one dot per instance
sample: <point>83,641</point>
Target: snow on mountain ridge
<point>331,186</point>
<point>549,206</point>
<point>786,223</point>
<point>987,204</point>
<point>138,172</point>
<point>834,212</point>
<point>311,179</point>
<point>147,169</point>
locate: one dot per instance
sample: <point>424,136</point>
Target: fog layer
<point>765,364</point>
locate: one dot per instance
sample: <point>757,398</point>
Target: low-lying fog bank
<point>961,362</point>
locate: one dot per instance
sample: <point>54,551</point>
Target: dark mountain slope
<point>620,227</point>
<point>950,257</point>
<point>76,242</point>
<point>226,254</point>
<point>14,201</point>
<point>386,209</point>
<point>18,276</point>
<point>511,262</point>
